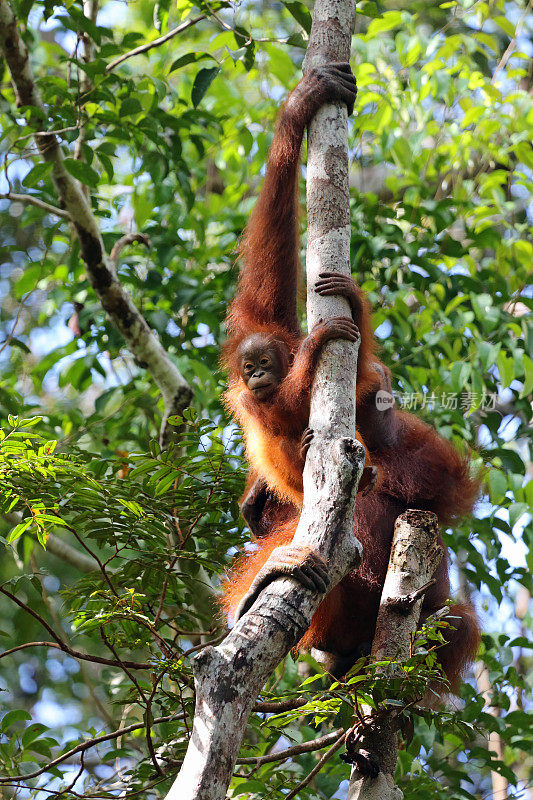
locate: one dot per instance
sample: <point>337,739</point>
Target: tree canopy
<point>113,546</point>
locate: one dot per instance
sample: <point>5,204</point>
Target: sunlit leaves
<point>175,143</point>
<point>188,58</point>
<point>389,20</point>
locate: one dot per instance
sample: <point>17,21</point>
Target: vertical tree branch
<point>415,555</point>
<point>229,677</point>
<point>328,222</point>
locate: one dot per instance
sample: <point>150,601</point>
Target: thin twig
<point>405,602</point>
<point>29,199</point>
<point>129,238</point>
<point>71,785</point>
<point>61,645</point>
<point>116,302</point>
<point>98,561</point>
<point>29,644</point>
<point>148,719</point>
<point>184,710</point>
<point>306,747</point>
<point>7,341</point>
<point>210,643</point>
<point>512,44</point>
<point>133,617</point>
<point>80,748</point>
<point>122,664</point>
<point>306,781</point>
<point>143,48</point>
<point>266,707</point>
<point>90,9</point>
<point>104,711</point>
<point>170,570</point>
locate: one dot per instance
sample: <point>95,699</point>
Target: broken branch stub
<point>415,555</point>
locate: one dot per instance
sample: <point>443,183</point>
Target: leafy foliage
<point>173,144</point>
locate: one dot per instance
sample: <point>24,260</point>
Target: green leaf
<point>18,715</point>
<point>129,106</point>
<point>19,529</point>
<point>521,641</point>
<point>23,9</point>
<point>505,366</point>
<point>30,422</point>
<point>487,40</point>
<point>460,372</point>
<point>527,388</point>
<point>297,40</point>
<point>77,21</point>
<point>506,25</point>
<point>389,20</point>
<point>32,732</point>
<point>14,342</point>
<point>368,9</point>
<point>82,172</point>
<point>188,58</point>
<point>37,173</point>
<point>202,82</point>
<point>516,511</point>
<point>497,485</point>
<point>300,13</point>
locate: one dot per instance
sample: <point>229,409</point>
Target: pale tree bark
<point>229,677</point>
<point>328,232</point>
<point>415,555</point>
<point>101,271</point>
<point>101,267</point>
<point>500,785</point>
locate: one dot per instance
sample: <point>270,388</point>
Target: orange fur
<point>344,623</point>
<point>273,456</point>
<point>266,451</point>
<point>417,468</point>
<point>266,303</point>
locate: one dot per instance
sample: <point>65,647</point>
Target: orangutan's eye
<point>264,362</point>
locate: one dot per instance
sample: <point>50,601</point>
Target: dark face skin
<point>261,366</point>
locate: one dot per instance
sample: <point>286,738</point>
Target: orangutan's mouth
<point>262,388</point>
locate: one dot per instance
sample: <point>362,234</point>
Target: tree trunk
<point>229,677</point>
<point>415,555</point>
